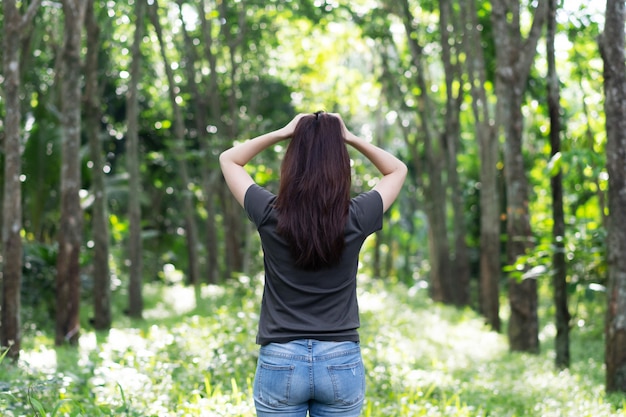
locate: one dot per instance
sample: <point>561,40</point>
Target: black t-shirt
<point>302,304</point>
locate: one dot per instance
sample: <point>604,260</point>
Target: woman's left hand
<point>287,131</point>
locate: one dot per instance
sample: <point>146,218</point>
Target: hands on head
<point>392,169</point>
<point>233,160</point>
<point>348,136</point>
<point>288,130</point>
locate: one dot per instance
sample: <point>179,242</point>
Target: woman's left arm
<point>233,160</point>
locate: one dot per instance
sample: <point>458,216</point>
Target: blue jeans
<point>323,378</point>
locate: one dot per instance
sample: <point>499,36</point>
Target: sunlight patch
<point>371,302</point>
<point>120,340</point>
<point>212,290</point>
<point>130,379</point>
<point>177,300</point>
<point>43,360</point>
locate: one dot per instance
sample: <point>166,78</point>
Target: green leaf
<point>2,356</point>
<point>38,406</point>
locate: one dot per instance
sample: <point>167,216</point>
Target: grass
<point>194,355</point>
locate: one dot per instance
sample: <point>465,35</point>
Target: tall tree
<point>100,221</point>
<point>489,288</point>
<point>209,173</point>
<point>233,35</point>
<point>559,277</point>
<point>451,32</point>
<point>180,152</point>
<point>514,58</point>
<point>612,49</point>
<point>210,186</point>
<point>435,164</point>
<point>70,228</point>
<point>14,27</point>
<point>135,246</point>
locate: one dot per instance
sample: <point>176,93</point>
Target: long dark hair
<point>314,194</point>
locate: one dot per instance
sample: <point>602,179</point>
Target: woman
<point>311,234</point>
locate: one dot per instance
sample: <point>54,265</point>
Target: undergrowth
<point>193,354</point>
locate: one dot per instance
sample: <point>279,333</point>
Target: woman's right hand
<point>393,170</point>
<point>348,136</point>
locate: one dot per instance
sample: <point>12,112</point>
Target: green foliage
<point>38,285</point>
<point>194,355</point>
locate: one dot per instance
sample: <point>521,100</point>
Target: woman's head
<point>314,194</point>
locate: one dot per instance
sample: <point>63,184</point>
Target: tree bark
<point>514,57</point>
<point>224,113</point>
<point>191,229</point>
<point>441,280</point>
<point>490,266</point>
<point>451,33</point>
<point>12,198</point>
<point>208,171</point>
<point>612,49</point>
<point>224,128</point>
<point>379,236</point>
<point>11,278</point>
<point>211,186</point>
<point>559,277</point>
<point>233,227</point>
<point>390,90</point>
<point>71,222</point>
<point>100,221</point>
<point>232,214</point>
<point>135,244</point>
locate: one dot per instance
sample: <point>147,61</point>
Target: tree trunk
<point>12,197</point>
<point>100,221</point>
<point>490,265</point>
<point>559,277</point>
<point>232,214</point>
<point>523,329</point>
<point>135,244</point>
<point>460,273</point>
<point>612,48</point>
<point>211,185</point>
<point>191,230</point>
<point>438,246</point>
<point>232,224</point>
<point>11,278</point>
<point>379,236</point>
<point>70,227</point>
<point>514,57</point>
<point>207,170</point>
<point>442,284</point>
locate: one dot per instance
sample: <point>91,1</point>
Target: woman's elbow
<point>402,170</point>
<point>224,158</point>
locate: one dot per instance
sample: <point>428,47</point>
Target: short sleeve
<point>368,211</point>
<point>257,203</point>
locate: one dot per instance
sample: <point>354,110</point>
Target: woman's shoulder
<point>368,199</point>
<point>366,211</point>
<point>258,203</point>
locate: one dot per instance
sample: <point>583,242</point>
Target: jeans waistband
<point>310,349</point>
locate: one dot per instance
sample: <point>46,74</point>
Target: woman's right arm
<point>233,160</point>
<point>393,170</point>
